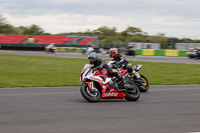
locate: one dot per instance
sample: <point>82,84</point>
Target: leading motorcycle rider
<point>120,59</point>
<point>100,63</point>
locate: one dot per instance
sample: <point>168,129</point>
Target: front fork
<point>136,74</point>
<point>139,79</point>
<point>91,86</point>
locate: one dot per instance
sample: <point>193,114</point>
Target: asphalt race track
<point>164,109</point>
<point>134,58</point>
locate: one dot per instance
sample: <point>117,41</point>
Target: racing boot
<point>128,86</point>
<point>119,77</point>
<point>125,85</point>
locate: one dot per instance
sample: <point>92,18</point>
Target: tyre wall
<point>153,52</point>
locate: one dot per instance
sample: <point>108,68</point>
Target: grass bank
<point>27,71</point>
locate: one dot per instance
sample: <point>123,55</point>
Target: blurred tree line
<point>106,35</point>
<point>33,29</point>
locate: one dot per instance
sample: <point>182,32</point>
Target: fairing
<point>103,80</point>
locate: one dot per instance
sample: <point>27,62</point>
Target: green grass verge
<point>28,71</point>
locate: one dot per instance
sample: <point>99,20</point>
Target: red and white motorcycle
<point>98,85</point>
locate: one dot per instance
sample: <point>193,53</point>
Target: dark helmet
<point>113,52</point>
<point>93,57</point>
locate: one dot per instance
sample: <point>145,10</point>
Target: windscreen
<point>86,66</point>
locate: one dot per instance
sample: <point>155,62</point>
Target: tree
<point>6,28</point>
<point>132,31</point>
<point>162,40</point>
<point>33,30</point>
<point>106,31</point>
<point>2,20</point>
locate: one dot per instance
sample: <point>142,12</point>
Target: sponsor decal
<point>104,87</point>
<point>110,94</point>
<point>114,70</point>
<point>96,79</point>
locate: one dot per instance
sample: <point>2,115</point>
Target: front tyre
<point>133,96</point>
<point>143,86</point>
<point>89,95</point>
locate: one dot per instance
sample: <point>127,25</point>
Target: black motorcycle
<point>140,80</point>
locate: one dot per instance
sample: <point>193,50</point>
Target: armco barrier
<point>138,51</point>
<point>183,53</point>
<point>79,50</point>
<point>62,49</point>
<point>156,52</point>
<point>68,49</point>
<point>171,53</point>
<point>75,50</point>
<point>148,52</point>
<point>162,52</point>
<point>58,49</point>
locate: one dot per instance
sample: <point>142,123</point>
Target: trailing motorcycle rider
<point>100,63</point>
<point>120,59</point>
<point>122,62</point>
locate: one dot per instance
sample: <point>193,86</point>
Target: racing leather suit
<point>120,59</point>
<point>100,63</point>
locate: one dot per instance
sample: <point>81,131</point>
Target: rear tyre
<point>89,95</point>
<point>133,96</point>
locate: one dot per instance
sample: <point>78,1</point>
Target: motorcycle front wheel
<point>89,95</point>
<point>143,86</point>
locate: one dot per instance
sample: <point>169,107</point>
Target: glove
<point>93,70</point>
<point>97,68</point>
<point>118,64</point>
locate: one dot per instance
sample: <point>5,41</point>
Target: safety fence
<point>154,52</point>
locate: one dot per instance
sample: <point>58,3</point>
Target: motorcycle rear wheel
<point>89,95</point>
<point>133,96</point>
